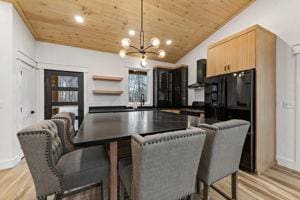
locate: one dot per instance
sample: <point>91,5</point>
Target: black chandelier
<point>143,49</point>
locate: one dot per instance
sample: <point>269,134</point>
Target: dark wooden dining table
<point>109,128</point>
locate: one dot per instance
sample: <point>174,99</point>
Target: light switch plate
<point>288,105</point>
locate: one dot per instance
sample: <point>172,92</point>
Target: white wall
<point>14,36</point>
<point>285,108</point>
<point>282,18</point>
<point>24,49</point>
<point>297,114</point>
<point>6,82</point>
<point>96,63</point>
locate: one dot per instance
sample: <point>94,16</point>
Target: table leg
<point>113,180</point>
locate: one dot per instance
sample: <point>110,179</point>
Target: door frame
<point>47,96</point>
<point>22,59</point>
<point>61,67</point>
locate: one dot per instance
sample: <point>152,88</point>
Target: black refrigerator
<point>232,96</point>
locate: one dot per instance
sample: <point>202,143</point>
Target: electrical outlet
<point>288,105</point>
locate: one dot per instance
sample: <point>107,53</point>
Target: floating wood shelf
<point>108,92</point>
<point>107,78</point>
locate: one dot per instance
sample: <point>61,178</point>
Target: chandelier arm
<point>135,48</point>
<point>147,47</point>
<point>152,52</point>
<point>132,52</point>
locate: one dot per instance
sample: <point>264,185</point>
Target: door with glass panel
<point>64,93</point>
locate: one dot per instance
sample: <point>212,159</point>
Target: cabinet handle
<point>225,68</point>
<point>228,67</point>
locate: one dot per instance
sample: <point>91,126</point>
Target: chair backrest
<point>222,150</point>
<point>69,133</point>
<point>42,149</point>
<point>165,165</point>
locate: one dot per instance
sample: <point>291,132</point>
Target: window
<point>138,85</point>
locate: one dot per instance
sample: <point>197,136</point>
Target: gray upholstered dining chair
<point>164,166</point>
<point>54,172</point>
<point>69,133</point>
<point>222,154</point>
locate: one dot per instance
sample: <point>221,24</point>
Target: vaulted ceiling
<point>186,22</point>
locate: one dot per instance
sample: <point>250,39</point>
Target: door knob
<point>32,112</point>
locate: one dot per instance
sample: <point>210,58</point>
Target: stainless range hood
<point>201,74</point>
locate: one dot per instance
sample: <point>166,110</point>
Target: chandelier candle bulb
<point>144,63</point>
<point>122,53</point>
<point>155,42</point>
<point>161,53</point>
<point>126,42</point>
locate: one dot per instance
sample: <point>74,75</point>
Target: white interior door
<point>26,98</point>
<point>27,95</point>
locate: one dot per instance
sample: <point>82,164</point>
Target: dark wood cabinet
<point>162,84</point>
<point>170,87</point>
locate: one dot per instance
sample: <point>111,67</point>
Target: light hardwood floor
<point>275,184</point>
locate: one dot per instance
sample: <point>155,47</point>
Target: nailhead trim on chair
<point>209,127</point>
<point>216,128</point>
<point>48,159</point>
<point>168,139</point>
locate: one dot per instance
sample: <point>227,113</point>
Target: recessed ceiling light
<point>79,19</point>
<point>169,42</point>
<point>131,32</point>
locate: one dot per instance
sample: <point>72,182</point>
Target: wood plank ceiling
<point>186,22</point>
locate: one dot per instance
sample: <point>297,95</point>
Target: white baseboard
<point>9,163</point>
<point>288,163</point>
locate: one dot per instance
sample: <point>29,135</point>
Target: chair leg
<point>121,190</point>
<point>234,186</point>
<point>206,191</point>
<point>105,185</point>
<point>198,189</point>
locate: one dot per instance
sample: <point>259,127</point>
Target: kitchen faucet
<point>142,100</point>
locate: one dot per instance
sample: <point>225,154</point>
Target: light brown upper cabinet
<point>233,54</point>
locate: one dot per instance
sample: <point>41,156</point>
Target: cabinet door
<point>241,52</point>
<point>217,60</point>
<point>163,88</point>
<point>231,56</point>
<point>248,47</point>
<point>212,59</point>
<point>223,58</point>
